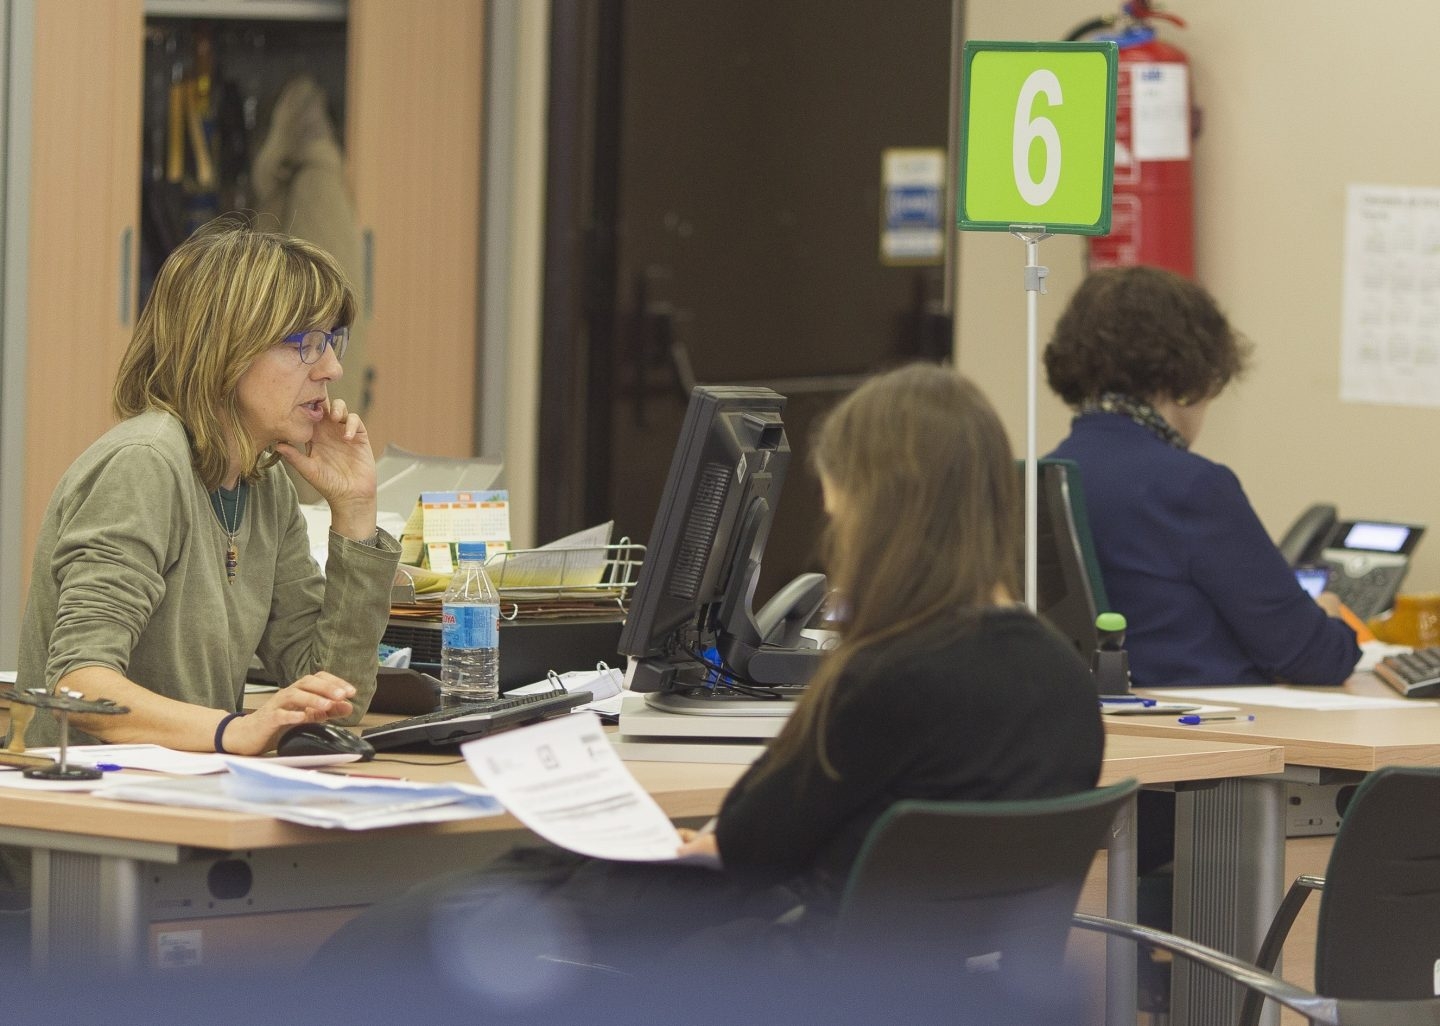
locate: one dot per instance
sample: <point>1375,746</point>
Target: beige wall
<point>1299,100</point>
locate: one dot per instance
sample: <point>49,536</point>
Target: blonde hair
<point>925,529</point>
<point>223,297</point>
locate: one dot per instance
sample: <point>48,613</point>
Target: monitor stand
<point>648,733</point>
<point>709,702</point>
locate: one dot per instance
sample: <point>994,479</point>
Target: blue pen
<point>107,767</point>
<point>1127,700</point>
<point>1192,720</point>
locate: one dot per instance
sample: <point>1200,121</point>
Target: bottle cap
<point>472,551</point>
<point>1110,622</point>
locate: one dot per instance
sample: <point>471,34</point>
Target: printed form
<point>563,780</point>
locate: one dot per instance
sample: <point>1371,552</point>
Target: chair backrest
<point>984,886</point>
<point>1070,591</point>
<point>1378,934</point>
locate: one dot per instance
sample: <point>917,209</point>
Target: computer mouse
<point>323,739</point>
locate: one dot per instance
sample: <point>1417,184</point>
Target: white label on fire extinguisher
<point>1160,101</point>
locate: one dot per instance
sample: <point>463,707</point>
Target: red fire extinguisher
<point>1152,218</point>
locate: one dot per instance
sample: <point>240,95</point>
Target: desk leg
<point>87,910</point>
<point>1229,878</point>
<point>1121,903</point>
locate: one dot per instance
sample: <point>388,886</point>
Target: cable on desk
<point>731,680</point>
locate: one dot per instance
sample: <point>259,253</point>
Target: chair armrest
<point>1313,1007</point>
<point>1274,942</point>
<point>1279,931</point>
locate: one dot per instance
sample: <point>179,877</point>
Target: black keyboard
<point>1414,674</point>
<point>457,723</point>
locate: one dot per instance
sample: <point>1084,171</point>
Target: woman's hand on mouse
<point>314,698</point>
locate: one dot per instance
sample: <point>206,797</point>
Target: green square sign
<point>1037,141</point>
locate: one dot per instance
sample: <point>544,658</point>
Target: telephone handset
<point>1367,559</point>
<point>1308,535</point>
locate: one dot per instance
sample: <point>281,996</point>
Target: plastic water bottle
<point>470,634</point>
<point>1110,664</point>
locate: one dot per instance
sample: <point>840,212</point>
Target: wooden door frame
<point>578,382</point>
<point>578,292</point>
<point>17,35</point>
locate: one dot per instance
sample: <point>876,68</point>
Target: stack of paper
<point>312,799</point>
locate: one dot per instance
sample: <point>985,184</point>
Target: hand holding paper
<point>563,780</point>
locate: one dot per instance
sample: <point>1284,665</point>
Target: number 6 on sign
<point>1037,137</point>
<point>1042,129</point>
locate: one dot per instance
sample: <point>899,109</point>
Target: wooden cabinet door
<point>84,203</point>
<point>414,118</point>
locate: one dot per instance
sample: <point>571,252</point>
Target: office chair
<point>975,896</point>
<point>1070,590</point>
<point>1378,934</point>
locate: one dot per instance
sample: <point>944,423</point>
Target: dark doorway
<point>714,217</point>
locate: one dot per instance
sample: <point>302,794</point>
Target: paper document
<point>1160,708</point>
<point>1284,697</point>
<point>312,799</point>
<point>563,780</point>
<point>11,777</point>
<point>146,757</point>
<point>1389,333</point>
<point>1373,652</point>
<point>317,527</point>
<point>575,561</point>
<point>423,580</point>
<point>168,760</point>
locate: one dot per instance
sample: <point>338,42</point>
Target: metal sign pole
<point>1037,158</point>
<point>1034,285</point>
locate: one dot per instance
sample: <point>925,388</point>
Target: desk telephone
<point>1367,559</point>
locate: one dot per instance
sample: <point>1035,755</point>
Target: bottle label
<point>471,626</point>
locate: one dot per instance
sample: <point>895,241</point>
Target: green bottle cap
<point>1110,622</point>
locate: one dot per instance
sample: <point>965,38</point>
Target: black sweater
<point>996,710</point>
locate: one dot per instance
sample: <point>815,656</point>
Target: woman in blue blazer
<point>1139,354</point>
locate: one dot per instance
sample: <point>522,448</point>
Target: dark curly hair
<point>1142,332</point>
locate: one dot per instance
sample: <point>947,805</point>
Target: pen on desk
<point>1215,719</point>
<point>108,767</point>
<point>1127,700</point>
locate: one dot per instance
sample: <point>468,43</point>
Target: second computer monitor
<point>709,534</point>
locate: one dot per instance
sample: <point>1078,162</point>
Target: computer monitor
<point>691,629</point>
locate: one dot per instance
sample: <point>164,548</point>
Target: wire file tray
<point>549,581</point>
<point>578,572</point>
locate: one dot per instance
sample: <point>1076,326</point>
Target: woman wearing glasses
<point>173,550</point>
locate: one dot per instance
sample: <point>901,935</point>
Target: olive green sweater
<point>129,573</point>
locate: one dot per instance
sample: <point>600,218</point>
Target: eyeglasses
<point>311,344</point>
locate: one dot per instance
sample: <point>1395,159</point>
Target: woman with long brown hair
<point>942,687</point>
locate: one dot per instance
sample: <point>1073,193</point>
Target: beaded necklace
<point>229,506</point>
